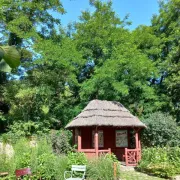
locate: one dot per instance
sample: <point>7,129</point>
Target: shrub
<point>76,158</point>
<point>163,162</point>
<point>101,169</point>
<point>61,141</point>
<point>161,130</point>
<point>111,157</point>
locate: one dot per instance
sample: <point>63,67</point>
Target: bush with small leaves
<point>61,141</point>
<point>161,130</point>
<point>163,162</point>
<point>76,158</point>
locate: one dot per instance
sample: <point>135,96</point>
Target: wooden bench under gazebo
<point>105,127</point>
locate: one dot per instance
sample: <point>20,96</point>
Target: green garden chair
<point>76,168</point>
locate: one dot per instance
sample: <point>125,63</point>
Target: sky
<point>140,11</point>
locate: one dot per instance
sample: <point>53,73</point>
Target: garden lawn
<point>134,175</point>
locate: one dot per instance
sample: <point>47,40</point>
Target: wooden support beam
<point>96,143</point>
<point>139,141</point>
<point>126,157</point>
<point>136,139</point>
<point>79,141</point>
<point>74,137</point>
<point>139,144</point>
<point>129,139</point>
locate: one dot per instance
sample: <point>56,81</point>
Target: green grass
<point>134,175</point>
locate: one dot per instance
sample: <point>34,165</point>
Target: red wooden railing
<point>132,156</point>
<point>92,152</point>
<point>104,151</point>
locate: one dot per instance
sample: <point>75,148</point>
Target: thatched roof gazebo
<point>107,126</point>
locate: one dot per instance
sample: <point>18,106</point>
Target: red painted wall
<point>109,140</point>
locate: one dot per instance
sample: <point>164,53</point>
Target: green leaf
<point>4,67</point>
<point>45,109</point>
<point>11,56</point>
<point>1,54</point>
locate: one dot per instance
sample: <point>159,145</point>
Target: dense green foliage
<point>166,27</point>
<point>161,130</point>
<point>163,162</point>
<point>63,69</point>
<point>96,57</point>
<point>38,155</point>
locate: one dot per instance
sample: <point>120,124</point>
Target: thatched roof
<point>105,113</point>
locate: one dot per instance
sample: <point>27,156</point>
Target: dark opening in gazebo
<point>105,127</point>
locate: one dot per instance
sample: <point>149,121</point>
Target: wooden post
<point>137,146</point>
<point>136,139</point>
<point>74,137</point>
<point>115,170</point>
<point>139,141</point>
<point>79,140</point>
<point>129,141</point>
<point>96,141</point>
<point>126,158</point>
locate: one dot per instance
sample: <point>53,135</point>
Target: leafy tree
<point>24,19</point>
<point>44,98</point>
<point>147,42</point>
<point>23,23</point>
<point>120,70</point>
<point>166,27</point>
<point>150,44</point>
<point>96,34</point>
<point>160,42</point>
<point>123,78</point>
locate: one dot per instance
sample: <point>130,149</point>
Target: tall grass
<point>101,169</point>
<point>6,164</point>
<point>61,165</point>
<point>22,153</point>
<point>6,158</point>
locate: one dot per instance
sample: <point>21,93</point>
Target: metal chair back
<point>22,172</point>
